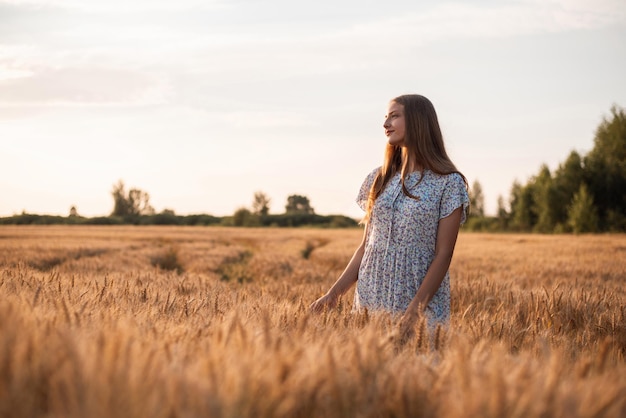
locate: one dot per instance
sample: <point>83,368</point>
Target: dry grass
<point>189,322</point>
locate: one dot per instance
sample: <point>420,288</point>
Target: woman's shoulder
<point>366,187</point>
<point>455,176</point>
<point>369,179</point>
<point>449,181</point>
<point>374,172</point>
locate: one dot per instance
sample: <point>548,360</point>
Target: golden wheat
<point>186,322</point>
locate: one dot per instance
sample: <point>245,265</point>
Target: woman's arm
<point>344,282</point>
<point>447,232</point>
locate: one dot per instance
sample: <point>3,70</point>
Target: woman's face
<point>394,124</point>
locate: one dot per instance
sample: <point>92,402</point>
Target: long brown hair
<point>422,140</point>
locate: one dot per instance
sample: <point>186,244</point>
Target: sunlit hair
<point>422,140</point>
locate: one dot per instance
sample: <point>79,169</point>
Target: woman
<point>414,205</point>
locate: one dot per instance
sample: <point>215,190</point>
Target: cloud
<point>127,56</point>
<point>120,6</point>
<point>462,21</point>
<point>68,86</point>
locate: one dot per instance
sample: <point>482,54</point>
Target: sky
<point>203,103</point>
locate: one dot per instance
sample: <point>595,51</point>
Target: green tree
<point>120,204</point>
<point>477,200</point>
<point>243,217</point>
<point>502,215</point>
<point>522,215</point>
<point>297,204</point>
<point>567,180</point>
<point>605,169</point>
<point>261,204</point>
<point>139,202</point>
<point>583,216</point>
<point>135,203</point>
<point>544,201</point>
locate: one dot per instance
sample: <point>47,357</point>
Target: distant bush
<point>32,219</point>
<point>168,260</point>
<point>308,219</point>
<point>482,224</point>
<point>162,219</point>
<point>104,220</point>
<point>235,268</point>
<point>242,217</point>
<point>200,220</point>
<point>340,221</point>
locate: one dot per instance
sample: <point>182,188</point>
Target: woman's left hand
<point>406,325</point>
<point>404,330</point>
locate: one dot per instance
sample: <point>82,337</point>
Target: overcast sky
<point>202,103</point>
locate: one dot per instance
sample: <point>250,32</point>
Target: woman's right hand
<point>328,301</point>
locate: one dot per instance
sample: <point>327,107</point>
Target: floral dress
<point>400,241</point>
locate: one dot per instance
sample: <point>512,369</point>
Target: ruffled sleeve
<point>364,192</point>
<point>454,196</point>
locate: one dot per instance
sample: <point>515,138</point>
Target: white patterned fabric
<point>400,241</point>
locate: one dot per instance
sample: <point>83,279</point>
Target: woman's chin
<point>395,142</point>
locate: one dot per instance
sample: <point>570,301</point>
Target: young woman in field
<point>414,205</point>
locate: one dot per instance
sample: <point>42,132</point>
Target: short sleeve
<point>364,191</point>
<point>454,196</point>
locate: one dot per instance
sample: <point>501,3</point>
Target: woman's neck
<point>411,164</point>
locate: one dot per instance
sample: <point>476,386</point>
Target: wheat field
<point>213,322</point>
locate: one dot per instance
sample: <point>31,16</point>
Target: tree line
<point>133,207</point>
<point>586,193</point>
